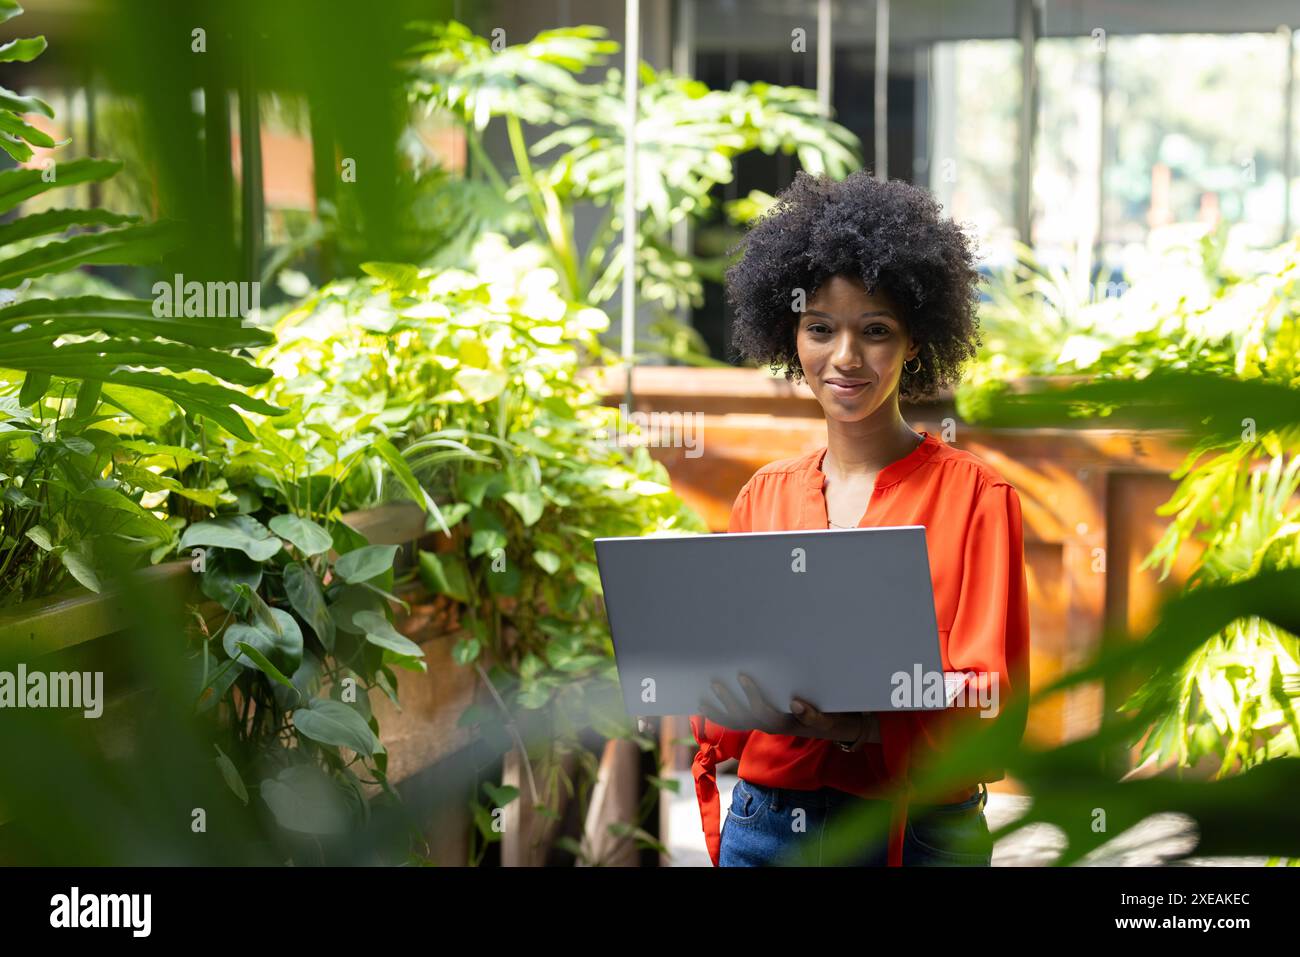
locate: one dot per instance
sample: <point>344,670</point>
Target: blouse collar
<point>891,474</point>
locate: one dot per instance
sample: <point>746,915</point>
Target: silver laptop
<point>843,618</point>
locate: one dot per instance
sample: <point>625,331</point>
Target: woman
<point>864,290</point>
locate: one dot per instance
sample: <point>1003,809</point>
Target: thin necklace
<point>834,525</point>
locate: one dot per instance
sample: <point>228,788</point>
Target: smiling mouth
<point>844,387</point>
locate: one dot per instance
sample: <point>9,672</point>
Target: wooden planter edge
<point>77,616</point>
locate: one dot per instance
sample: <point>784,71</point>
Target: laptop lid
<point>843,618</point>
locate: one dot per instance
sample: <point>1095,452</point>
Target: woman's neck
<point>855,449</point>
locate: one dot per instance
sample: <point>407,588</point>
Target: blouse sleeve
<point>989,640</point>
<point>716,742</point>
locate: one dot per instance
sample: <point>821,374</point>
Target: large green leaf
<point>9,9</point>
<point>33,388</point>
<point>80,567</point>
<point>17,185</point>
<point>215,402</point>
<point>280,643</point>
<point>445,575</point>
<point>467,75</point>
<point>528,504</point>
<point>129,246</point>
<point>380,631</point>
<point>304,592</point>
<point>363,564</point>
<point>97,360</point>
<point>237,635</point>
<point>225,570</point>
<point>57,220</point>
<point>241,532</point>
<point>36,319</point>
<point>304,534</point>
<point>23,134</point>
<point>47,338</point>
<point>11,101</point>
<point>304,799</point>
<point>262,663</point>
<point>333,722</point>
<point>22,51</point>
<point>349,601</point>
<point>115,501</point>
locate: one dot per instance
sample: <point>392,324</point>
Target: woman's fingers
<point>755,694</point>
<point>712,713</point>
<point>731,714</point>
<point>729,700</point>
<point>720,715</point>
<point>758,713</point>
<point>810,717</point>
<point>759,705</point>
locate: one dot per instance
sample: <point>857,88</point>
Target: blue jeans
<point>769,826</point>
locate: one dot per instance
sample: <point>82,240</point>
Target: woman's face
<point>852,346</point>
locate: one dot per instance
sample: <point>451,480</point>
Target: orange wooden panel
<point>1134,594</point>
<point>1048,609</point>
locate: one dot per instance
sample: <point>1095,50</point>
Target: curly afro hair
<point>892,237</point>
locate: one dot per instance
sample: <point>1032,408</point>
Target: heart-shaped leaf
<point>305,800</point>
<point>241,532</point>
<point>304,534</point>
<point>363,564</point>
<point>304,592</point>
<point>333,722</point>
<point>527,504</point>
<point>282,646</point>
<point>380,631</point>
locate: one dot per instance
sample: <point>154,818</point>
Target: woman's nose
<point>845,353</point>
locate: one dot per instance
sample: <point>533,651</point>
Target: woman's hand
<point>758,715</point>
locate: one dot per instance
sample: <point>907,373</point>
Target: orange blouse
<point>973,537</point>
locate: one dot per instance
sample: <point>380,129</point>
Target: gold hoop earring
<point>918,366</point>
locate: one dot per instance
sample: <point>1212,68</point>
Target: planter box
<point>76,616</point>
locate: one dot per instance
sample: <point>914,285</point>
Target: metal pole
<point>630,62</point>
<point>1103,144</point>
<point>1028,30</point>
<point>684,41</point>
<point>825,54</point>
<point>882,90</point>
<point>684,65</point>
<point>1288,150</point>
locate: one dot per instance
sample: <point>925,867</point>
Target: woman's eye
<point>876,332</point>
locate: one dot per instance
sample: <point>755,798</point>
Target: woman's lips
<point>846,390</point>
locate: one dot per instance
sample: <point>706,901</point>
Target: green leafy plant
<point>83,377</point>
<point>470,381</point>
<point>307,632</point>
<point>1192,307</point>
<point>688,138</point>
<point>456,389</point>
